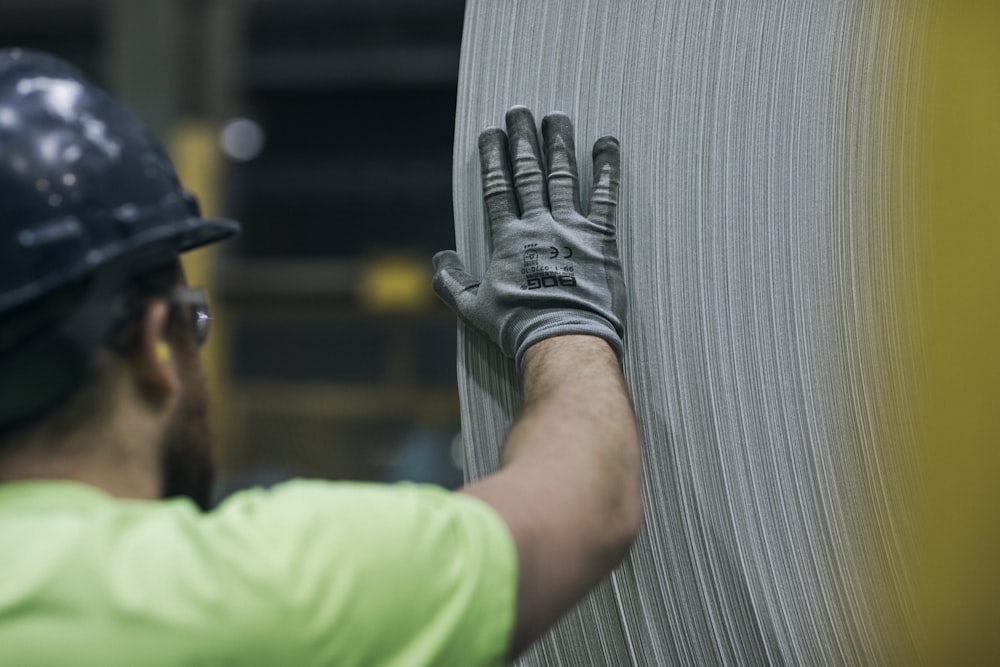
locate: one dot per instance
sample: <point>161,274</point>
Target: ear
<point>154,356</point>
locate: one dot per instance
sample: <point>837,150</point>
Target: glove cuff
<point>578,323</point>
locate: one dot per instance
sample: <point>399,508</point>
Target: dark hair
<point>89,400</point>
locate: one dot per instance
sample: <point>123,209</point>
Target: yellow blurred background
<point>958,517</point>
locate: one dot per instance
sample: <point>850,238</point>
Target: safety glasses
<point>195,300</point>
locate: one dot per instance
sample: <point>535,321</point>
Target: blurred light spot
<point>242,139</point>
<point>48,147</point>
<point>51,232</point>
<point>60,95</point>
<point>72,153</point>
<point>126,213</point>
<point>396,282</point>
<point>96,132</point>
<point>8,117</point>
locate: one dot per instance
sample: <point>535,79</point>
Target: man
<point>104,448</point>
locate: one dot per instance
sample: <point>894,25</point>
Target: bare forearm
<point>577,417</point>
<point>570,475</point>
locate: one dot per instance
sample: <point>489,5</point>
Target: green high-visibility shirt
<point>307,573</point>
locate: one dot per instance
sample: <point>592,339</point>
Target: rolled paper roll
<point>767,233</point>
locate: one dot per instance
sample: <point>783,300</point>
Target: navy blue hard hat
<point>82,182</point>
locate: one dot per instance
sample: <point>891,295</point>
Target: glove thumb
<point>452,283</point>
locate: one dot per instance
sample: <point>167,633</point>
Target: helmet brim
<point>169,239</point>
<point>205,232</point>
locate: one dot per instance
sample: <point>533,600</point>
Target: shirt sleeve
<point>369,574</point>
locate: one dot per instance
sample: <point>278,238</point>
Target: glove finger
<point>498,186</point>
<point>525,160</point>
<point>607,180</point>
<point>452,283</point>
<point>560,160</point>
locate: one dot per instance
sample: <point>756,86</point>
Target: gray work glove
<point>552,271</point>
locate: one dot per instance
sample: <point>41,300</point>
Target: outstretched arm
<point>553,299</point>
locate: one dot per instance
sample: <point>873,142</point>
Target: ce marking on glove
<point>554,252</point>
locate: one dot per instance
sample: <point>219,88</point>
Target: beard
<point>187,465</point>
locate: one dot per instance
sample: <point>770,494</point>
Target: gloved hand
<point>552,271</point>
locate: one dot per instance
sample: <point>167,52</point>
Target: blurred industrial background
<point>325,127</point>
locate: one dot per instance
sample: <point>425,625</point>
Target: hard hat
<point>82,182</point>
<point>85,193</point>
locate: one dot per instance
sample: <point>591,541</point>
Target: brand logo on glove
<point>541,282</point>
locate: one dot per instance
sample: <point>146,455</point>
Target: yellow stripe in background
<point>958,517</point>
